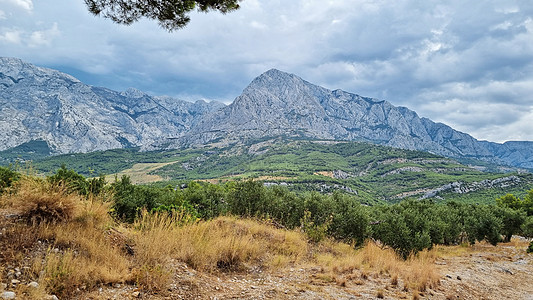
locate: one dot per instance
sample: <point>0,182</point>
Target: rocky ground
<point>479,272</point>
<point>488,272</point>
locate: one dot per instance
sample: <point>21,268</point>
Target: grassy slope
<point>376,173</point>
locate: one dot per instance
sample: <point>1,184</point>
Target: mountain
<point>39,104</point>
<point>278,103</point>
<point>43,105</point>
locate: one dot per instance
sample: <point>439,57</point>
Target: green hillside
<point>373,173</point>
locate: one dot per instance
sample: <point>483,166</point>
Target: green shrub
<point>393,227</point>
<point>527,227</point>
<point>70,179</point>
<point>350,221</point>
<point>247,199</point>
<point>315,232</point>
<point>7,178</point>
<point>512,221</point>
<point>130,200</point>
<point>509,200</point>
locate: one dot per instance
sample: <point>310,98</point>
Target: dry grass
<point>417,273</point>
<point>140,173</point>
<point>83,253</point>
<point>40,202</point>
<point>225,243</point>
<point>76,232</point>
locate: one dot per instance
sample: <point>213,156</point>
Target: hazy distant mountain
<point>44,104</point>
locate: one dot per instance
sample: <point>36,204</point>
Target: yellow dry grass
<point>225,243</point>
<point>417,273</point>
<point>80,252</point>
<point>325,173</point>
<point>40,202</point>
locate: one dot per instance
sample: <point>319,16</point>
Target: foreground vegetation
<point>407,227</point>
<point>72,234</point>
<point>69,244</point>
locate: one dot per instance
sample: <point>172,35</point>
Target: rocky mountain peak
<point>277,90</point>
<point>275,82</point>
<point>47,105</point>
<point>278,103</point>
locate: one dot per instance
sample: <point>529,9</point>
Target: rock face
<point>44,104</point>
<point>277,103</point>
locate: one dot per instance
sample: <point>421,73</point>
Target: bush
<point>527,227</point>
<point>73,181</point>
<point>512,221</point>
<point>130,199</point>
<point>527,203</point>
<point>248,198</point>
<point>530,248</point>
<point>7,178</point>
<point>509,200</point>
<point>315,232</point>
<point>207,199</point>
<point>350,221</point>
<point>44,203</point>
<point>404,227</point>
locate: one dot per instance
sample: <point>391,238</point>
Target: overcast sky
<point>468,64</point>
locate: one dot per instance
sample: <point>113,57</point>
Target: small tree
<point>512,221</point>
<point>527,203</point>
<point>7,178</point>
<point>350,219</point>
<point>247,198</point>
<point>527,227</point>
<point>71,179</point>
<point>510,201</point>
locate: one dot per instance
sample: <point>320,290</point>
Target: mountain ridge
<point>277,103</point>
<point>44,104</point>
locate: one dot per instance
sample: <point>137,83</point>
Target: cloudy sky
<point>468,64</point>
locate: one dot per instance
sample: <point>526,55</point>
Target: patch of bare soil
<point>489,272</point>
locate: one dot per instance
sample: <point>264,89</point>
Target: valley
<point>372,173</point>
